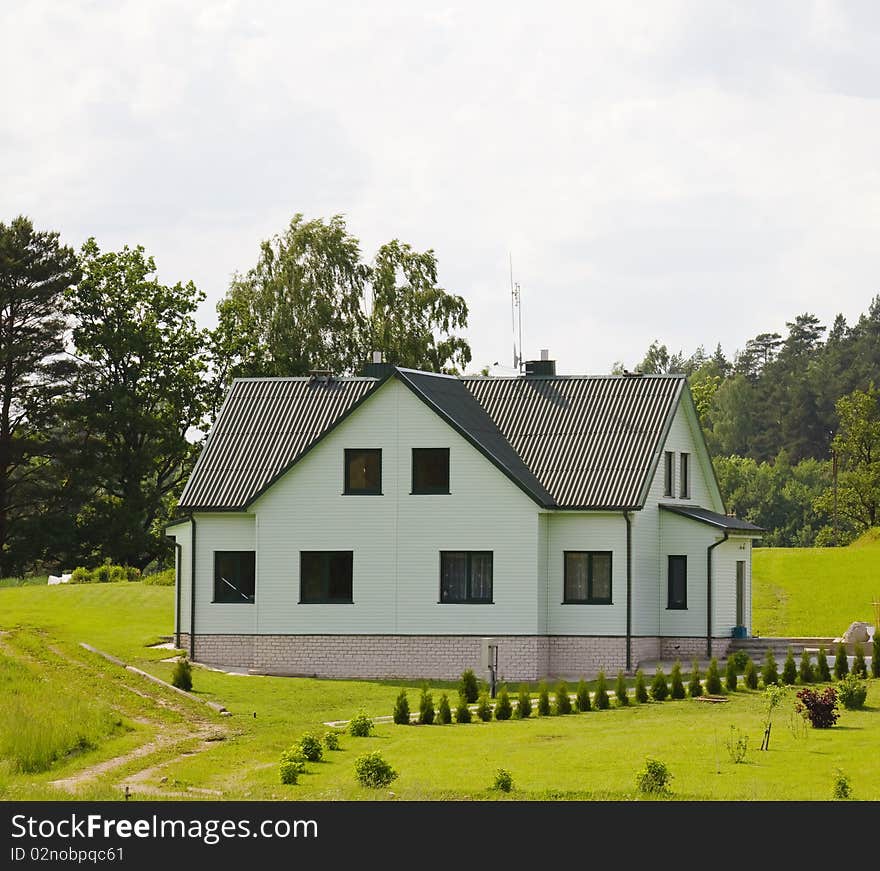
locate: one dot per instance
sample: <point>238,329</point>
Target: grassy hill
<point>814,590</point>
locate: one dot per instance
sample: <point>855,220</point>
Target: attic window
<point>669,474</point>
<point>430,470</point>
<point>234,576</point>
<point>685,474</point>
<point>363,472</point>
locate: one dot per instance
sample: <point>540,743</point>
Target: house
<point>385,525</point>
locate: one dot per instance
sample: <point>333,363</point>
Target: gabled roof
<point>713,518</point>
<point>569,442</point>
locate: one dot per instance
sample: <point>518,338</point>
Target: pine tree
<point>582,699</point>
<point>789,669</point>
<point>730,677</point>
<point>676,685</point>
<point>484,709</point>
<point>524,702</point>
<point>401,709</point>
<point>713,679</point>
<point>602,700</point>
<point>750,675</point>
<point>468,686</point>
<point>695,686</point>
<point>426,707</point>
<point>563,702</point>
<point>841,663</point>
<point>620,691</point>
<point>463,712</point>
<point>659,687</point>
<point>859,667</point>
<point>823,672</point>
<point>543,700</point>
<point>503,707</point>
<point>769,673</point>
<point>805,671</point>
<point>641,689</point>
<point>444,714</point>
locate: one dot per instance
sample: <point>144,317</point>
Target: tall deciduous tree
<point>35,271</point>
<point>138,391</point>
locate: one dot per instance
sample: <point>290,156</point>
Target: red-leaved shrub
<point>818,706</point>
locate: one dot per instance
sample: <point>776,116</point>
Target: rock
<point>857,632</point>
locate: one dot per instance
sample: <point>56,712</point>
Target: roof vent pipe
<point>377,356</point>
<point>545,354</point>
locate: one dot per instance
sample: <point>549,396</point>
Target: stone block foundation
<point>442,657</point>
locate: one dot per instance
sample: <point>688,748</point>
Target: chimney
<point>543,368</point>
<point>378,368</point>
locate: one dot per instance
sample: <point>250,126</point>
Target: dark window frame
<point>669,473</point>
<point>428,491</point>
<point>670,604</point>
<point>230,598</point>
<point>346,488</point>
<point>591,599</point>
<point>469,600</point>
<point>684,475</point>
<point>325,577</point>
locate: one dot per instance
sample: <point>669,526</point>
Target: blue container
<point>739,632</point>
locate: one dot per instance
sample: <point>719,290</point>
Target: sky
<point>693,172</point>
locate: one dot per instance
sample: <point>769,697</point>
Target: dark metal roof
<point>591,441</point>
<point>704,515</point>
<point>568,442</point>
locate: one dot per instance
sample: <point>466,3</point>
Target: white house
<point>384,525</point>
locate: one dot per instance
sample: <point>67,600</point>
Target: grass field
<point>814,591</point>
<point>128,732</point>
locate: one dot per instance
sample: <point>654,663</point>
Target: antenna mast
<point>515,320</point>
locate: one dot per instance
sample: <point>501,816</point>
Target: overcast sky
<point>693,172</point>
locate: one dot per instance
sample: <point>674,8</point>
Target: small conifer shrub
<point>842,787</point>
<point>444,713</point>
<point>468,686</point>
<point>823,672</point>
<point>401,709</point>
<point>769,674</point>
<point>582,698</point>
<point>563,700</point>
<point>620,691</point>
<point>676,684</point>
<point>841,663</point>
<point>463,712</point>
<point>361,726</point>
<point>181,676</point>
<point>859,668</point>
<point>331,739</point>
<point>484,709</point>
<point>543,700</point>
<point>740,659</point>
<point>311,748</point>
<point>524,702</point>
<point>602,700</point>
<point>730,676</point>
<point>641,688</point>
<point>426,707</point>
<point>659,687</point>
<point>805,670</point>
<point>750,675</point>
<point>789,669</point>
<point>695,685</point>
<point>503,780</point>
<point>503,707</point>
<point>373,771</point>
<point>713,678</point>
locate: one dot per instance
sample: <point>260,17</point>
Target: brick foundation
<point>444,657</point>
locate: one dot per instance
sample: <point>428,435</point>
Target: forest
<point>108,385</point>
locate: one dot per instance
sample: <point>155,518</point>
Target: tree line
<point>105,376</point>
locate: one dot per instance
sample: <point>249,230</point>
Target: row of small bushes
<point>106,573</point>
<point>807,673</point>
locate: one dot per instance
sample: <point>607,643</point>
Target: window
<point>325,576</point>
<point>678,568</point>
<point>587,577</point>
<point>466,576</point>
<point>685,476</point>
<point>234,576</point>
<point>363,472</point>
<point>430,470</point>
<point>669,474</point>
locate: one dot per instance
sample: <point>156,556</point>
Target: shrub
<point>484,709</point>
<point>859,668</point>
<point>842,787</point>
<point>80,575</point>
<point>620,691</point>
<point>602,701</point>
<point>181,676</point>
<point>737,745</point>
<point>159,579</point>
<point>331,739</point>
<point>524,702</point>
<point>823,672</point>
<point>373,771</point>
<point>676,684</point>
<point>659,687</point>
<point>311,747</point>
<point>444,713</point>
<point>293,763</point>
<point>641,689</point>
<point>841,663</point>
<point>503,780</point>
<point>875,653</point>
<point>818,706</point>
<point>654,778</point>
<point>463,712</point>
<point>740,660</point>
<point>713,678</point>
<point>503,708</point>
<point>750,675</point>
<point>116,574</point>
<point>426,707</point>
<point>101,575</point>
<point>582,697</point>
<point>852,692</point>
<point>132,574</point>
<point>695,685</point>
<point>468,686</point>
<point>769,674</point>
<point>789,669</point>
<point>563,700</point>
<point>401,709</point>
<point>730,678</point>
<point>543,700</point>
<point>361,726</point>
<point>805,672</point>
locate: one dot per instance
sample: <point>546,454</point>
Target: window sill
<point>676,607</point>
<point>587,602</point>
<point>231,602</point>
<point>467,602</point>
<point>363,493</point>
<point>326,602</point>
<point>429,492</point>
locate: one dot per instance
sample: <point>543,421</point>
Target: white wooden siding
<point>724,560</point>
<point>181,534</point>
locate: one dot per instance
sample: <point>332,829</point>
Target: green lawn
<point>188,751</point>
<point>814,591</point>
